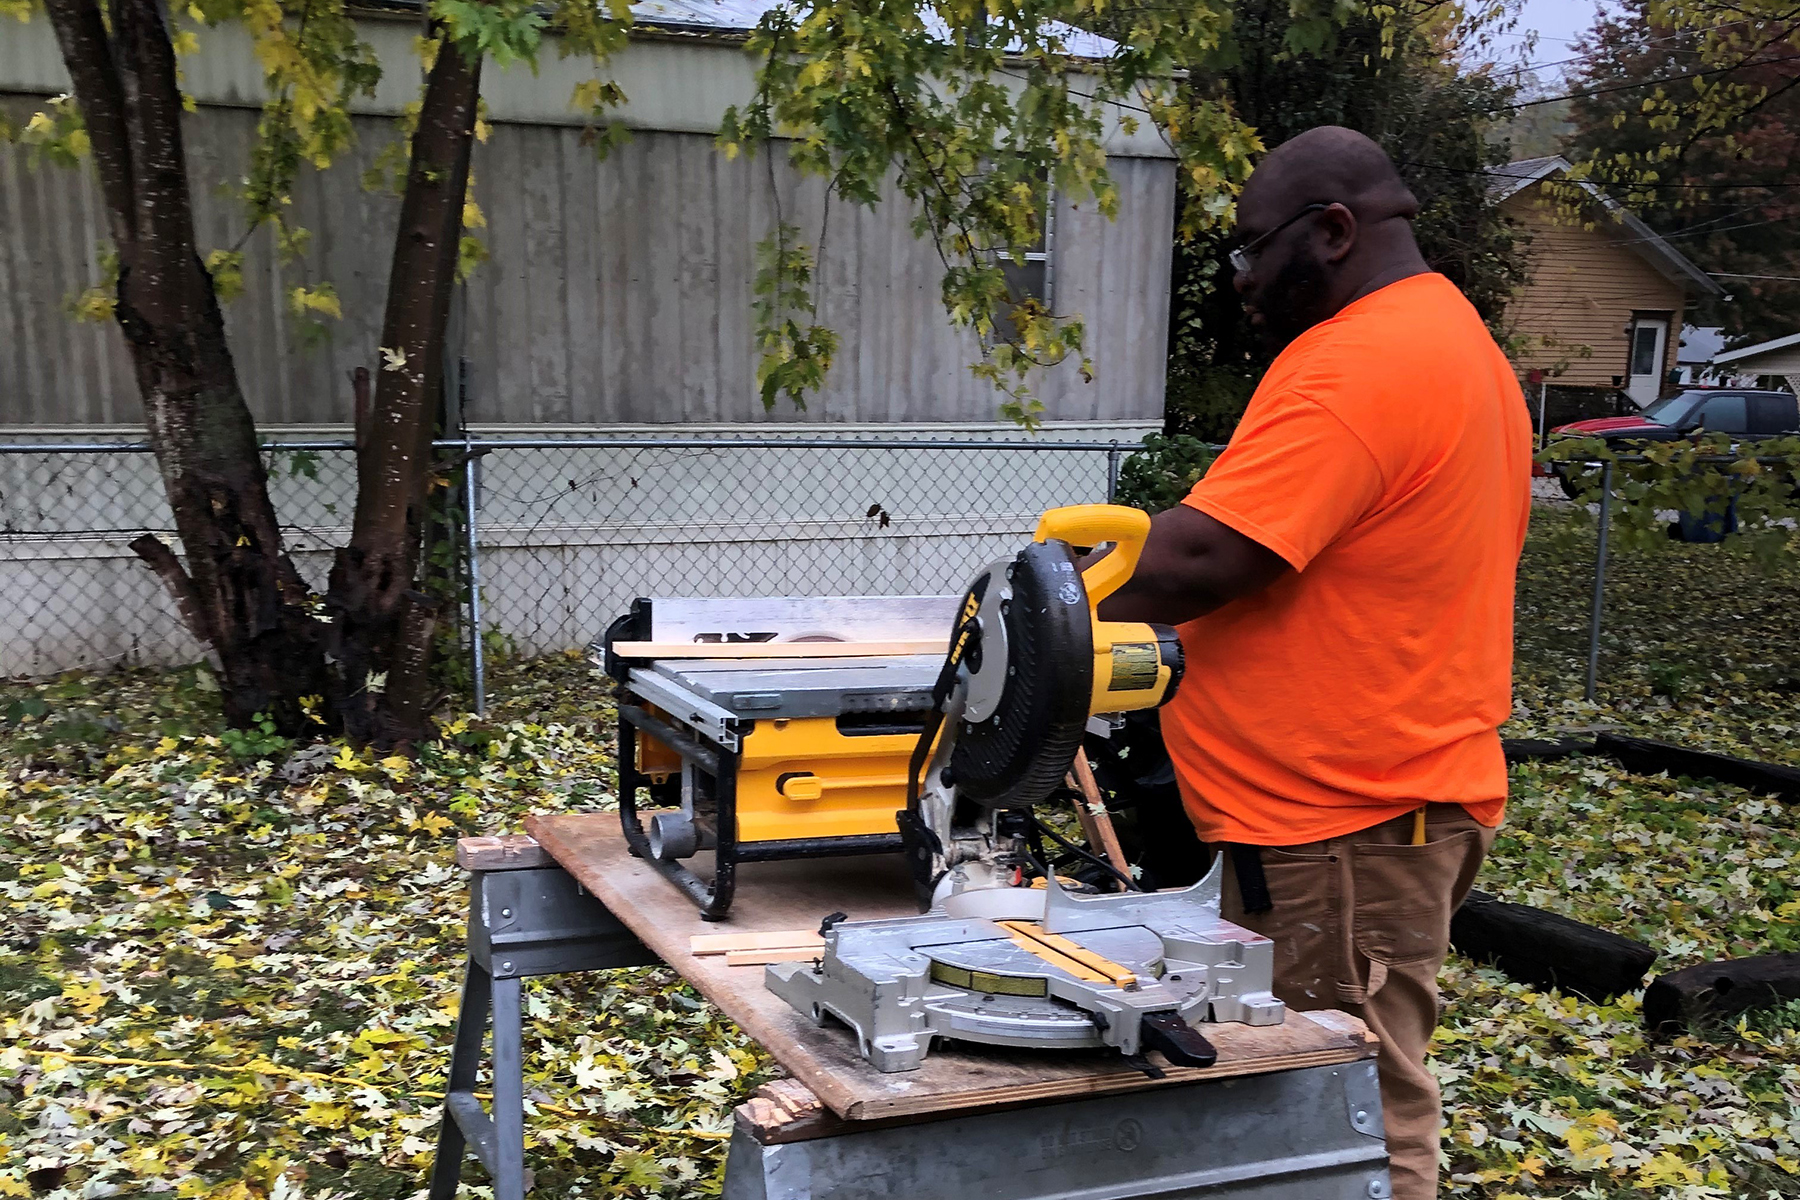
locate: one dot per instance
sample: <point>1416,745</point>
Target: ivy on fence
<point>1703,488</point>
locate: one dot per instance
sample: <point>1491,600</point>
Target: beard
<point>1293,302</point>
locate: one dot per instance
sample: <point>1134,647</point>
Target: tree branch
<point>168,568</point>
<point>87,54</point>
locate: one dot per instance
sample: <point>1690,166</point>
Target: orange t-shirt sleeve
<point>1293,479</point>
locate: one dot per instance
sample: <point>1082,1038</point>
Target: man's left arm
<point>1292,481</point>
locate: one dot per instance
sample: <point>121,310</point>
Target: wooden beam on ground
<point>1714,991</point>
<point>1520,750</point>
<point>1646,757</point>
<point>1546,950</point>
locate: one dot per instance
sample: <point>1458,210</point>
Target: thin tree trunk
<point>381,631</point>
<point>239,593</point>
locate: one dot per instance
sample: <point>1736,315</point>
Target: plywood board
<point>796,895</point>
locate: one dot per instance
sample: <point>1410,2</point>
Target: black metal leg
<point>465,1056</point>
<point>509,1093</point>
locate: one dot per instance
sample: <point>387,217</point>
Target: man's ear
<point>1338,225</point>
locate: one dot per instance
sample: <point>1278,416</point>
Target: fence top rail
<point>484,445</point>
<point>489,445</point>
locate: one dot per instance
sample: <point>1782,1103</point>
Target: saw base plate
<point>965,971</point>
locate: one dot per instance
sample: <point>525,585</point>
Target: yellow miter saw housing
<point>1030,663</point>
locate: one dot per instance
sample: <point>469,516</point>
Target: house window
<point>1644,339</point>
<point>1035,278</point>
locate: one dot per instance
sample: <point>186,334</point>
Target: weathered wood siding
<point>618,290</point>
<point>1585,284</point>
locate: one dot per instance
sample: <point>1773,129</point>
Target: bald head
<point>1324,220</point>
<point>1325,165</point>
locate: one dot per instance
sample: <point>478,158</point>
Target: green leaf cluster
<point>1749,491</point>
<point>1163,472</point>
<point>981,115</point>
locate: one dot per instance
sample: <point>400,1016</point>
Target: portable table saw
<point>760,758</point>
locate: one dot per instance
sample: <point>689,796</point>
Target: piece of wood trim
<point>635,650</point>
<point>509,852</point>
<point>785,1110</point>
<point>775,939</point>
<point>773,954</point>
<point>1096,822</point>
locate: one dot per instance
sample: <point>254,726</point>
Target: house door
<point>1649,348</point>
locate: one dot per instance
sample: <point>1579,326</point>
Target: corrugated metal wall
<point>618,290</point>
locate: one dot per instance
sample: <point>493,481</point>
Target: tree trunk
<point>381,627</point>
<point>238,591</point>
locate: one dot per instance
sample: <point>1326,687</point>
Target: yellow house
<point>1604,293</point>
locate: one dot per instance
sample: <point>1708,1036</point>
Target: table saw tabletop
<point>795,894</point>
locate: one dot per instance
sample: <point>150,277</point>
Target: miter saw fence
<point>1030,663</point>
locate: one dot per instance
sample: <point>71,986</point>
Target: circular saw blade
<point>1030,677</point>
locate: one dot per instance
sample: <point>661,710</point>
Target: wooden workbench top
<point>796,895</point>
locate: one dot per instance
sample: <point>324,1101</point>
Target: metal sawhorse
<point>1312,1133</point>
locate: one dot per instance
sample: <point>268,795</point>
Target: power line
<point>1735,275</point>
<point>1625,87</point>
<point>1771,185</point>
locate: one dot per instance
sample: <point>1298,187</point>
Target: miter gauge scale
<point>1029,664</point>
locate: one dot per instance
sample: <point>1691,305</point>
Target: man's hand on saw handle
<point>1191,565</point>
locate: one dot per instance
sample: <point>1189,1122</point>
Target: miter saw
<point>1030,663</point>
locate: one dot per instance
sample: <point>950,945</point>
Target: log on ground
<point>1546,950</point>
<point>1647,757</point>
<point>1520,750</point>
<point>1714,991</point>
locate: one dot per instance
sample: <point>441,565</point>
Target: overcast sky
<point>1558,24</point>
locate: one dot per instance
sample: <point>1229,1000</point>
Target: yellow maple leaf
<point>329,1115</point>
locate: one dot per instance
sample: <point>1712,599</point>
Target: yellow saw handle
<point>1092,524</point>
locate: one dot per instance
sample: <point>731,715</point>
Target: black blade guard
<point>1036,651</point>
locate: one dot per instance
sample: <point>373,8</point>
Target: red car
<point>1741,413</point>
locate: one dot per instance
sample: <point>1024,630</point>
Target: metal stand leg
<point>522,922</point>
<point>471,1023</point>
<point>509,1093</point>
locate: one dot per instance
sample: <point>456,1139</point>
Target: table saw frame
<point>773,759</point>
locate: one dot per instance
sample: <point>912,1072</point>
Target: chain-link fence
<point>561,535</point>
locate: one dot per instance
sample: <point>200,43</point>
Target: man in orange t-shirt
<point>1343,581</point>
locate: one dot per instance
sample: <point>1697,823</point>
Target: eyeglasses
<point>1244,255</point>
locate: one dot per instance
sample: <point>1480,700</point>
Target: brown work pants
<point>1362,923</point>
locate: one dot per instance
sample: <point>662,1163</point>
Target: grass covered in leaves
<point>229,965</point>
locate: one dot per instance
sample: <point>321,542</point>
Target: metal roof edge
<point>1780,343</point>
<point>1646,243</point>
